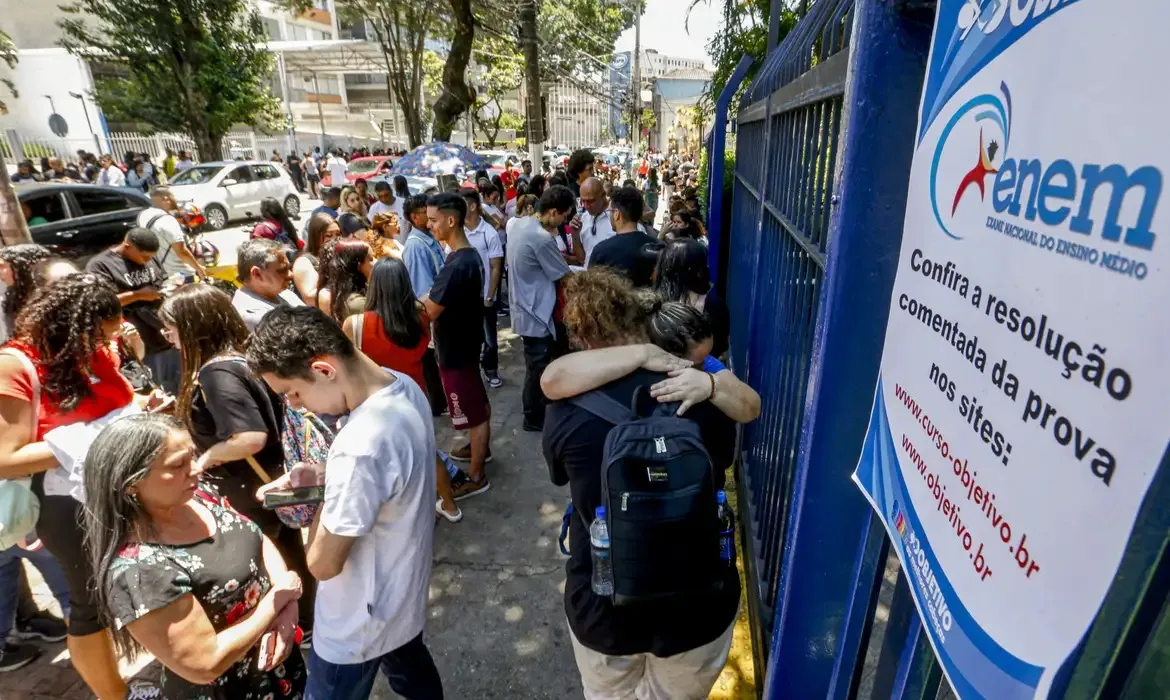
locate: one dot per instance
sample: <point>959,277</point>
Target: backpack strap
<point>150,225</point>
<point>604,407</point>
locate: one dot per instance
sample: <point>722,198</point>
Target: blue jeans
<point>409,669</point>
<point>9,582</point>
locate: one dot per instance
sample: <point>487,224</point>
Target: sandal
<point>450,518</point>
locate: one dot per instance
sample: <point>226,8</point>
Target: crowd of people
<point>156,418</point>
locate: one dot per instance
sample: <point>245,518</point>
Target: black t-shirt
<point>129,276</point>
<point>634,255</point>
<point>720,316</point>
<point>458,288</point>
<point>574,440</point>
<point>231,400</point>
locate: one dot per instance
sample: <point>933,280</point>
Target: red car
<point>368,167</point>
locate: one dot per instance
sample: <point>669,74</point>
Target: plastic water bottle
<point>599,544</point>
<point>726,528</point>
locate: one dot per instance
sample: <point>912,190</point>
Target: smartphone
<point>300,495</point>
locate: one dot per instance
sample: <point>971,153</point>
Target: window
<point>48,206</point>
<point>272,27</point>
<point>94,202</point>
<point>241,174</point>
<point>264,172</point>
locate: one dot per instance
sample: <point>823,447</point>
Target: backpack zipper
<point>625,500</point>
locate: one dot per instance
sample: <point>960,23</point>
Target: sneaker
<point>450,518</point>
<point>463,454</point>
<point>143,690</point>
<point>14,656</point>
<point>43,627</point>
<point>471,488</point>
<point>494,380</point>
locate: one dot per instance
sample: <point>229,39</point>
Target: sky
<point>664,28</point>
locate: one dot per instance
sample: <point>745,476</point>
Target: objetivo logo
<point>974,142</point>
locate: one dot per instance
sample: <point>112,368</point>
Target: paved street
<point>496,623</point>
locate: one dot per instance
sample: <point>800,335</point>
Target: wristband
<point>712,396</point>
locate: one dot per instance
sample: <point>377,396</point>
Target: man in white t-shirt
<point>173,253</point>
<point>336,166</point>
<point>595,224</point>
<point>486,241</point>
<point>387,203</point>
<point>111,175</point>
<point>370,544</point>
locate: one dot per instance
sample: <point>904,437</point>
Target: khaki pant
<point>686,676</point>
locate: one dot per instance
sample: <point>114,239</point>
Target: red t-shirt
<point>508,179</point>
<point>110,389</point>
<point>381,349</point>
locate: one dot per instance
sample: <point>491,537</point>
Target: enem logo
<point>1058,194</point>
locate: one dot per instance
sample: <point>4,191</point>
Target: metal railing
<point>783,190</point>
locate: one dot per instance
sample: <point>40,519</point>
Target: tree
<point>457,96</point>
<point>13,227</point>
<point>8,58</point>
<point>198,66</point>
<point>744,32</point>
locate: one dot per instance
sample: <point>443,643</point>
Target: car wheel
<point>216,217</point>
<point>292,206</point>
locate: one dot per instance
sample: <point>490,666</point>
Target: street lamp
<point>96,142</point>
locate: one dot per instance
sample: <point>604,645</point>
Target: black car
<point>76,220</point>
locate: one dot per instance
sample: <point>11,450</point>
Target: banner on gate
<point>1021,409</point>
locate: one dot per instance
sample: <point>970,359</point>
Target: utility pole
<point>533,120</point>
<point>636,116</point>
<point>320,112</point>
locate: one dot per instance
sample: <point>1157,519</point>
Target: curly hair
<point>63,324</point>
<point>603,310</point>
<point>23,260</point>
<point>342,275</point>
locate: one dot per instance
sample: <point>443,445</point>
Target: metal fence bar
<point>817,585</point>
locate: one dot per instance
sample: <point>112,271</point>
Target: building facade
<point>652,65</point>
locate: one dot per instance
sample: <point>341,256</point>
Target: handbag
<point>19,507</point>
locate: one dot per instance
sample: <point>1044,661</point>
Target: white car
<point>233,189</point>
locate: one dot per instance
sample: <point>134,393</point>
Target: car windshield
<point>362,166</point>
<point>197,175</point>
<point>497,159</point>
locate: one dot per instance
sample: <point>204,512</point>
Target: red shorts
<point>466,397</point>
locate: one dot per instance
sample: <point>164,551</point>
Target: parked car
<point>416,185</point>
<point>368,167</point>
<point>499,159</point>
<point>228,190</point>
<point>79,220</point>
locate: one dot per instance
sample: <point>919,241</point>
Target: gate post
<point>717,246</point>
<point>826,562</point>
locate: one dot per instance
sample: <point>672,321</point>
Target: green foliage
<point>744,32</point>
<point>8,57</point>
<point>198,66</point>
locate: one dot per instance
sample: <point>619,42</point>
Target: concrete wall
<point>54,73</point>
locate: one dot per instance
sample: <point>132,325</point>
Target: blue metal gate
<point>824,145</point>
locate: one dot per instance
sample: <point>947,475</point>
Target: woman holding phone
<point>234,419</point>
<point>191,581</point>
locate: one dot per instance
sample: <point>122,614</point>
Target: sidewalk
<point>496,623</point>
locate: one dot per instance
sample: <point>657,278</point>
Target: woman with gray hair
<point>189,580</point>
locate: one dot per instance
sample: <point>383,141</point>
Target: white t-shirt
<point>169,232</point>
<point>379,488</point>
<point>486,242</point>
<point>183,165</point>
<point>112,176</point>
<point>337,167</point>
<point>396,208</point>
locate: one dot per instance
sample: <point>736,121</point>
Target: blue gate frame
<point>824,146</point>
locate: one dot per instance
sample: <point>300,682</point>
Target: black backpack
<point>658,486</point>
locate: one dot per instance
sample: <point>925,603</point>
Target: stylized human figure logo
<point>978,174</point>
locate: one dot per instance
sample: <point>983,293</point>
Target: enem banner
<point>1021,411</point>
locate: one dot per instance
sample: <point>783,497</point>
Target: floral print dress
<point>226,574</point>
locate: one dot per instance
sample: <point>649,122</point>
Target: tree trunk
<point>457,97</point>
<point>13,227</point>
<point>208,145</point>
